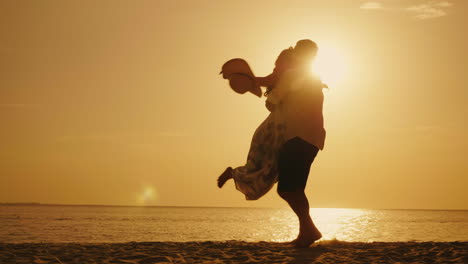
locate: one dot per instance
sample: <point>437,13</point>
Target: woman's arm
<point>266,81</point>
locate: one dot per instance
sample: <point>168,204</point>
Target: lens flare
<point>147,195</point>
<point>330,65</point>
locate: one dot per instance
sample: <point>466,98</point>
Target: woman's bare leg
<point>225,176</point>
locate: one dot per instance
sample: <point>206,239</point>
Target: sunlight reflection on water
<point>337,223</point>
<point>334,223</point>
<point>123,224</point>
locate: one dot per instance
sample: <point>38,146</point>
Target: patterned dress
<point>260,173</point>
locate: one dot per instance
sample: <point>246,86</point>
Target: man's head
<point>305,50</point>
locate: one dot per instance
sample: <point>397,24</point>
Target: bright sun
<point>330,65</point>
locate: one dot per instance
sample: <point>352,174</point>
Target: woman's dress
<point>260,172</point>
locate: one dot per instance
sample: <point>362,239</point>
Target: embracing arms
<point>268,80</point>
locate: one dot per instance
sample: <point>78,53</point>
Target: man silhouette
<point>302,113</point>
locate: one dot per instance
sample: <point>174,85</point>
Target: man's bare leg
<point>308,232</point>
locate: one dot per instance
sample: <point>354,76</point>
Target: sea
<point>112,224</point>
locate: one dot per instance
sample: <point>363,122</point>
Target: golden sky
<point>120,102</point>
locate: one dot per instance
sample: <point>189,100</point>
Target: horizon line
<point>207,206</point>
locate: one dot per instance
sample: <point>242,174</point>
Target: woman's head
<point>305,51</point>
<point>285,60</point>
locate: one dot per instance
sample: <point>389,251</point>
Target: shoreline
<point>331,251</point>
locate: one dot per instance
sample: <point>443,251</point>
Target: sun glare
<point>330,65</point>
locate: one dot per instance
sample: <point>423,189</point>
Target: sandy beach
<point>235,252</point>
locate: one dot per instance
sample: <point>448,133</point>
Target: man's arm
<point>269,106</point>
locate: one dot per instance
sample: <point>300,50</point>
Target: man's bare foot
<point>227,174</point>
<point>304,240</point>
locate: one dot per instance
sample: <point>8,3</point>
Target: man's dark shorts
<point>295,158</point>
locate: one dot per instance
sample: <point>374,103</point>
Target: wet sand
<point>235,252</point>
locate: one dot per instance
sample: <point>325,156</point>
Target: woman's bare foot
<point>227,174</point>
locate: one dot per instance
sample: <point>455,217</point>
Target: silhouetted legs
<point>294,161</point>
<point>308,232</point>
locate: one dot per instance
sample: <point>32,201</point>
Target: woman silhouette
<point>259,174</point>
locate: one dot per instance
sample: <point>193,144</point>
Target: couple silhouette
<point>286,143</point>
